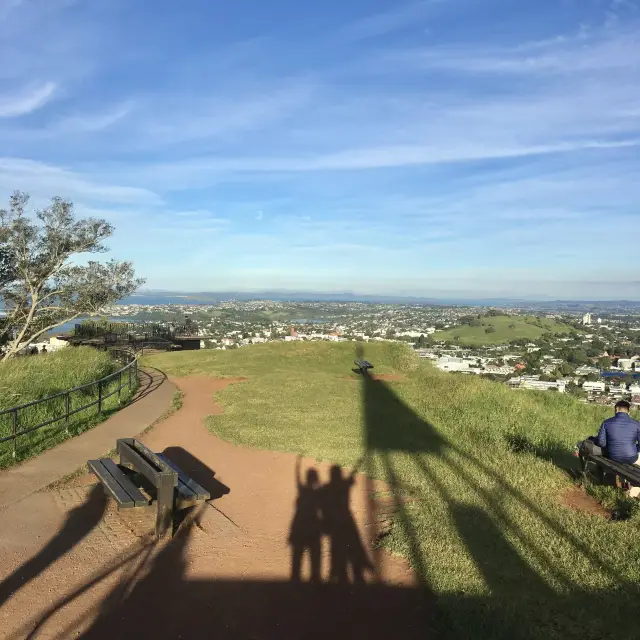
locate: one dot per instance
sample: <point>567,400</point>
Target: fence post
<point>67,402</point>
<point>100,396</point>
<point>119,385</point>
<point>14,425</point>
<point>129,372</point>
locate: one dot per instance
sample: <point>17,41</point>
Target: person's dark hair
<point>623,405</point>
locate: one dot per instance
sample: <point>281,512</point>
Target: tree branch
<point>37,334</point>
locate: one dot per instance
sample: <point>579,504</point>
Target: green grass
<point>32,378</point>
<point>507,328</point>
<point>485,527</point>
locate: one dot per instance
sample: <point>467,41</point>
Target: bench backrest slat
<point>151,467</point>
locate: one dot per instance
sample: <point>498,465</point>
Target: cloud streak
<point>276,151</point>
<point>383,23</point>
<point>26,101</point>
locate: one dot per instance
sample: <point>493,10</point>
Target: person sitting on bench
<point>620,438</point>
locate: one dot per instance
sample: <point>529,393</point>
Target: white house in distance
<point>587,319</point>
<point>464,365</point>
<point>627,364</point>
<point>541,385</point>
<point>594,387</point>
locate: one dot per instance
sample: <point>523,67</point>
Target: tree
<point>43,285</point>
<point>490,330</point>
<point>604,363</point>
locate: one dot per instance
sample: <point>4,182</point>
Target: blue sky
<point>437,147</point>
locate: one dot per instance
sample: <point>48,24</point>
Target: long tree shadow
<point>392,429</point>
<point>78,524</point>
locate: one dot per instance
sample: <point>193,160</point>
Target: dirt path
<point>227,574</point>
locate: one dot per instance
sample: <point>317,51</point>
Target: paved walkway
<point>152,399</point>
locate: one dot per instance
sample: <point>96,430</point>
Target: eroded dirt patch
<point>575,498</point>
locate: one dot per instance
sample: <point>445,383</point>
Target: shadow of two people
<point>324,511</point>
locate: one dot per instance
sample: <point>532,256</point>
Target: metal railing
<point>64,405</point>
<point>154,345</point>
<point>148,331</point>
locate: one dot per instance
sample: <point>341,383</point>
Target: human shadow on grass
<point>79,523</point>
<point>393,431</point>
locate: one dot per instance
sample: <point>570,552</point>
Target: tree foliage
<point>42,283</point>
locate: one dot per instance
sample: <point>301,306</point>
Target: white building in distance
<point>593,387</point>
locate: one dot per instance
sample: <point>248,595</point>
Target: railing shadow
<point>149,382</point>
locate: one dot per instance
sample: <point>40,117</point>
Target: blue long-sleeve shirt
<point>620,435</point>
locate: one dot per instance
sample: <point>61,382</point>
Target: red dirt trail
<point>75,567</point>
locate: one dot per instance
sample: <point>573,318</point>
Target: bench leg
<point>164,517</point>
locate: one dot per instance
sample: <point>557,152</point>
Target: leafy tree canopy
<point>42,283</point>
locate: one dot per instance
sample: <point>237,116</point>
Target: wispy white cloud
<point>45,181</point>
<point>191,172</point>
<point>90,121</point>
<point>379,24</point>
<point>27,101</point>
<point>177,119</point>
<point>489,149</point>
<point>601,50</point>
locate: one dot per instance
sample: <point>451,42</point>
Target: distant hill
<point>211,297</point>
<point>505,329</point>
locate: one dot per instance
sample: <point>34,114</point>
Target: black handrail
<point>130,368</point>
<point>150,330</point>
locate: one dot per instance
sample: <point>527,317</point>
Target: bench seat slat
<point>185,497</point>
<point>184,479</point>
<point>123,491</point>
<point>122,479</point>
<point>628,471</point>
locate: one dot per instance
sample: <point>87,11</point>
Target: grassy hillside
<point>484,523</point>
<point>31,378</point>
<point>507,328</point>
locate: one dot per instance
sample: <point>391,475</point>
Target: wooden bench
<point>140,468</point>
<point>629,472</point>
<point>363,365</point>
